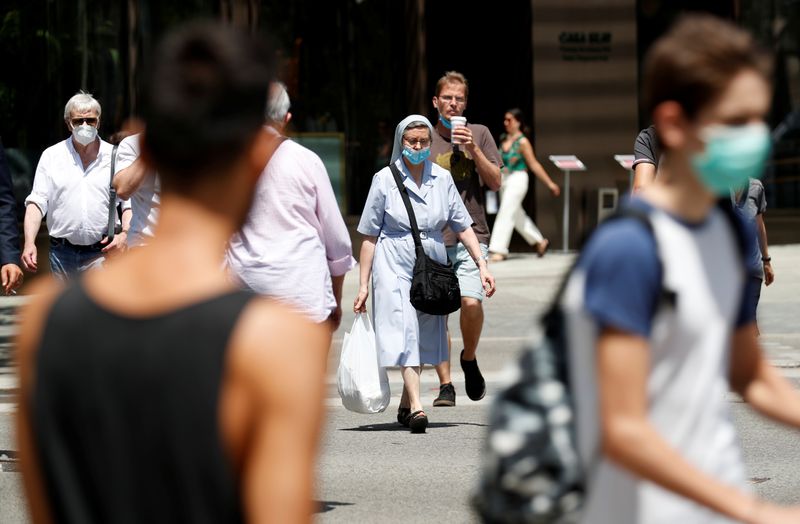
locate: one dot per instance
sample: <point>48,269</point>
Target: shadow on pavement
<point>394,426</point>
<point>325,506</point>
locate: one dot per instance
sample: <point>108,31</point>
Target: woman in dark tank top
<point>151,390</point>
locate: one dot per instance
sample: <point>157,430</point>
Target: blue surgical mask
<point>445,122</point>
<point>733,154</point>
<point>416,156</point>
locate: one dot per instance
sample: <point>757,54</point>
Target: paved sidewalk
<point>371,470</point>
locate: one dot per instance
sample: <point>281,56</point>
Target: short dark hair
<point>517,114</point>
<point>204,100</point>
<point>695,61</point>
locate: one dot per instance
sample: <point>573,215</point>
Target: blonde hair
<point>452,77</point>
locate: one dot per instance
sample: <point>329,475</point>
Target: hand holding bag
<point>434,286</point>
<point>363,385</point>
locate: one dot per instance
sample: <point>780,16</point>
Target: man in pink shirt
<point>294,245</point>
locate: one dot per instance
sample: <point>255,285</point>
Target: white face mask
<point>84,134</point>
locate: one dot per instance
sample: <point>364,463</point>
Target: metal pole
<point>566,211</point>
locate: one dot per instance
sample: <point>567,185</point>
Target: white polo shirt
<point>146,200</point>
<point>74,199</point>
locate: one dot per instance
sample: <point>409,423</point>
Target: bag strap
<point>112,197</point>
<point>640,215</point>
<point>407,202</point>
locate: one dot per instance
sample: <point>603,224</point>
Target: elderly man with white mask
<point>406,337</point>
<point>71,189</point>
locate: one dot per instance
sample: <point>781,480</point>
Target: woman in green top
<point>518,157</point>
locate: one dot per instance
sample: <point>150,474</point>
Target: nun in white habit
<point>406,337</point>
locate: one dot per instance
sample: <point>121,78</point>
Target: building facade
<point>354,68</point>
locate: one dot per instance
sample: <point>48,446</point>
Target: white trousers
<point>511,216</point>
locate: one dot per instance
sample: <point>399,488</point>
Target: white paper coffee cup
<point>455,122</point>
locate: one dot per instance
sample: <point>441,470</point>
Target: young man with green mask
<point>661,315</point>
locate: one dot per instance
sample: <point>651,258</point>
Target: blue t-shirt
<point>624,276</point>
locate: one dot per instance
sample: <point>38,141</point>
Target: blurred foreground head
<point>696,61</point>
<point>204,104</point>
<point>707,86</point>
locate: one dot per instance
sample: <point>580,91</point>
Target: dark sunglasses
<point>78,121</point>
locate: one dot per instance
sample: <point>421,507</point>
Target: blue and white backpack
<point>532,471</point>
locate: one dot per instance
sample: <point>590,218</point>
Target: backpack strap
<point>642,217</point>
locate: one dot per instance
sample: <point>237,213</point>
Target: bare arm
<point>336,317</point>
<point>128,180</point>
<point>470,241</point>
<point>769,273</point>
<point>126,218</point>
<point>526,148</point>
<point>365,262</point>
<point>758,382</point>
<point>489,173</point>
<point>120,241</point>
<point>31,326</point>
<point>283,361</point>
<point>643,175</point>
<point>630,440</point>
<point>30,227</point>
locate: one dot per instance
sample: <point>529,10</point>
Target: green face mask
<point>733,154</point>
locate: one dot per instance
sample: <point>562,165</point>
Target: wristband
<point>766,259</point>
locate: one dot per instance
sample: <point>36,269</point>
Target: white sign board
<point>567,162</point>
<point>626,161</point>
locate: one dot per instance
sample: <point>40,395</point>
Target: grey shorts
<point>469,276</point>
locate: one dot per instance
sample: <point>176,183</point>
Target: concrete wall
<point>585,102</point>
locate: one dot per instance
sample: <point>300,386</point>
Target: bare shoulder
<point>277,350</point>
<point>525,142</point>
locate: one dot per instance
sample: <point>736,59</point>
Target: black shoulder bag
<point>434,286</point>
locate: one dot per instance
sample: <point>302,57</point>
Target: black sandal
<point>402,416</point>
<point>418,421</point>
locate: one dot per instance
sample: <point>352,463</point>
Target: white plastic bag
<point>363,384</point>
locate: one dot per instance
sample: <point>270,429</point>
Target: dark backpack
<point>533,472</point>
